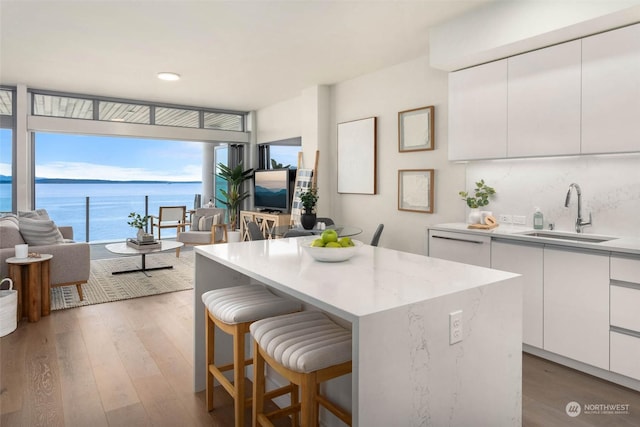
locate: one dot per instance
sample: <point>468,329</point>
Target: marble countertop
<point>374,280</point>
<point>617,244</point>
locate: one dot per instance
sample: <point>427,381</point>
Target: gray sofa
<point>71,261</point>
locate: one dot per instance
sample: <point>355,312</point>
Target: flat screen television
<point>272,190</point>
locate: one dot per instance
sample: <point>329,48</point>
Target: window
<point>121,112</point>
<point>105,109</point>
<point>93,182</point>
<point>279,154</point>
<point>6,149</point>
<point>62,106</point>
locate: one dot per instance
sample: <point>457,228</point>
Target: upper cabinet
<point>478,112</point>
<point>579,97</point>
<point>544,102</point>
<point>611,91</point>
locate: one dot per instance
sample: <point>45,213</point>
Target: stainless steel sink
<point>569,236</point>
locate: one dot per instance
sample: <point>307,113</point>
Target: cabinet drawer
<point>625,354</point>
<point>460,247</point>
<point>625,269</point>
<point>624,307</point>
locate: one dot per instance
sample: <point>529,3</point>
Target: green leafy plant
<point>138,221</point>
<point>309,198</point>
<point>480,197</point>
<point>235,195</point>
<point>276,165</point>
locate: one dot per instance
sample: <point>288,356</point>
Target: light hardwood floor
<point>129,363</point>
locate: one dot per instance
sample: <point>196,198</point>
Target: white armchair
<point>207,228</point>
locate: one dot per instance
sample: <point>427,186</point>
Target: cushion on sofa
<point>38,232</point>
<point>204,222</point>
<point>10,232</point>
<point>36,214</point>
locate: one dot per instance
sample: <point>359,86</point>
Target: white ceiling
<point>240,55</point>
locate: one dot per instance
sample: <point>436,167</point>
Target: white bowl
<point>331,254</point>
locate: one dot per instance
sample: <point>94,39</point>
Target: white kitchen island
<point>398,305</point>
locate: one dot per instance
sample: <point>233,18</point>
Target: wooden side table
<point>32,281</point>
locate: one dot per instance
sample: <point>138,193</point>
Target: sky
<point>119,159</point>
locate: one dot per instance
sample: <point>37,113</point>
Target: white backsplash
<point>610,190</point>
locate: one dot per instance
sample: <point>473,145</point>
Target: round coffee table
<point>124,249</point>
<point>32,281</point>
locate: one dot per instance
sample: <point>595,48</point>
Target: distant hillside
<point>5,179</point>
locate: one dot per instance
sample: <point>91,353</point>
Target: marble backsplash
<point>610,190</point>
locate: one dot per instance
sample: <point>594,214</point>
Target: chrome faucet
<point>579,222</point>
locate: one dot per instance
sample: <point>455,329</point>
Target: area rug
<point>106,287</point>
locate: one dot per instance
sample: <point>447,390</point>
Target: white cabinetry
<point>527,260</point>
<point>611,91</point>
<point>478,112</point>
<point>625,317</point>
<point>544,101</point>
<point>460,247</point>
<point>576,305</point>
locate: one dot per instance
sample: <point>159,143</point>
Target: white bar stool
<point>232,310</point>
<point>306,348</point>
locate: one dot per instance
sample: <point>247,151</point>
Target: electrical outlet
<point>504,219</point>
<point>519,219</point>
<point>455,327</point>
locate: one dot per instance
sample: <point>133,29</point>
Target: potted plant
<point>232,198</point>
<point>140,223</point>
<point>308,198</point>
<point>479,199</point>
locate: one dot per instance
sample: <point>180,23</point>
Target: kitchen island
<point>398,306</point>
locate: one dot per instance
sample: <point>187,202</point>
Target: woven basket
<point>8,309</point>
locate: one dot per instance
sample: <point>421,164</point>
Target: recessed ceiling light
<point>168,76</point>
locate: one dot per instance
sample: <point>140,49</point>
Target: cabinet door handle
<point>458,240</point>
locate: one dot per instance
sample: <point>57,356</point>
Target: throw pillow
<point>205,223</point>
<point>37,214</point>
<point>194,222</point>
<point>38,232</point>
<point>10,232</point>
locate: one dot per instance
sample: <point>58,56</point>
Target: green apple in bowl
<point>329,236</point>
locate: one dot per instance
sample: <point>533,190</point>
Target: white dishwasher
<point>460,247</point>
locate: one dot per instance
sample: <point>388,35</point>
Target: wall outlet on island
<point>504,219</point>
<point>455,327</point>
<point>519,219</point>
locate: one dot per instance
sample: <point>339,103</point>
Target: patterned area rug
<point>106,287</point>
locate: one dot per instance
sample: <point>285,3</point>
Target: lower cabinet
<point>625,321</point>
<point>527,260</point>
<point>460,247</point>
<point>576,305</point>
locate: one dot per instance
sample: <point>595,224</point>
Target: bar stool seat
<point>306,348</point>
<point>232,310</point>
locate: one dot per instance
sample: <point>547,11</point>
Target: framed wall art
<point>357,142</point>
<point>415,129</point>
<point>415,190</point>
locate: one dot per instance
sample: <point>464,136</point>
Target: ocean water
<point>109,205</point>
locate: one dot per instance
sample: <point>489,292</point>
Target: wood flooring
<point>129,363</point>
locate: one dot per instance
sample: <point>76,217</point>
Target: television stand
<point>267,221</point>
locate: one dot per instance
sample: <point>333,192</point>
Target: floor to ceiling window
<point>94,182</point>
<point>6,149</point>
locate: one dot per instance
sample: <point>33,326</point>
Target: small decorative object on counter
<point>538,220</point>
<point>480,198</point>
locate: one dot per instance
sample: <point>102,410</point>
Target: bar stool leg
<point>238,374</point>
<point>210,345</point>
<point>309,410</point>
<point>258,385</point>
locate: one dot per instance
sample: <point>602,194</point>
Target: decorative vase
<point>140,235</point>
<point>475,216</point>
<point>308,220</point>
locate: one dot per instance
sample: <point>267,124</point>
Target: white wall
<point>280,121</point>
<point>383,94</point>
<point>610,190</point>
